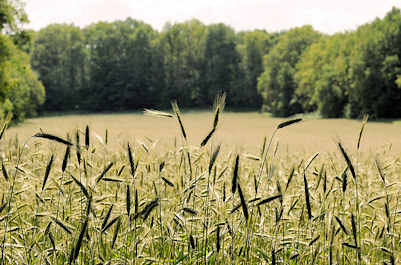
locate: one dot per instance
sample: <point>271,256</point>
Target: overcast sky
<point>324,15</point>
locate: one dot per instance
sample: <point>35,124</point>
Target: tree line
<point>127,65</point>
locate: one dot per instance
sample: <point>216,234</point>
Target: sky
<point>327,16</point>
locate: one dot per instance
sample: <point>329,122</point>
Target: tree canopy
<point>20,91</point>
<point>127,65</point>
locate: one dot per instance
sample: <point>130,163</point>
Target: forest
<point>127,65</point>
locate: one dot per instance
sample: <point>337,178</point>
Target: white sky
<point>324,15</point>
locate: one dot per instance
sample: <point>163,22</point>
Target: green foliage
<point>12,15</point>
<point>120,68</point>
<point>127,65</point>
<point>21,92</point>
<point>253,46</point>
<point>323,76</point>
<point>183,47</point>
<point>376,68</point>
<point>59,57</point>
<point>277,83</point>
<point>221,71</point>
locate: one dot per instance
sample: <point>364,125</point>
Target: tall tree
<point>21,93</point>
<point>376,68</point>
<point>121,65</point>
<point>323,76</point>
<point>253,46</point>
<point>221,70</point>
<point>59,57</point>
<point>277,83</point>
<point>183,46</point>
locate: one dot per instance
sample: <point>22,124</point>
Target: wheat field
<point>245,131</point>
<point>154,189</point>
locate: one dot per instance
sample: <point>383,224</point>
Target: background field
<point>245,131</point>
<point>171,202</point>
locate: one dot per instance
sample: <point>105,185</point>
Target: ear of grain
<point>116,230</point>
<point>47,172</point>
<point>235,175</point>
<point>310,161</point>
<point>161,166</point>
<point>155,189</point>
<point>320,176</point>
<point>365,120</point>
<point>273,257</point>
<point>52,138</point>
<point>288,123</point>
<point>61,224</point>
<point>207,138</point>
<point>80,239</point>
<point>168,182</point>
<point>3,206</point>
<point>106,136</point>
<point>347,160</point>
<point>191,241</point>
<point>307,198</point>
<point>290,178</point>
<point>216,118</point>
<point>131,160</point>
<point>136,202</point>
<point>78,147</point>
<point>81,186</point>
<point>50,235</point>
<point>255,184</point>
<point>230,231</point>
<point>157,113</point>
<point>190,211</point>
<point>47,229</point>
<point>106,227</point>
<point>342,226</point>
<point>262,151</point>
<point>218,239</point>
<point>380,170</point>
<point>3,129</point>
<point>243,203</point>
<point>148,209</point>
<point>213,158</point>
<point>189,164</point>
<point>313,240</point>
<point>128,200</point>
<point>220,101</point>
<point>65,159</point>
<point>387,210</point>
<point>354,232</point>
<point>109,166</point>
<point>89,207</point>
<point>344,178</point>
<point>376,198</point>
<point>120,171</point>
<point>269,199</point>
<point>106,218</point>
<point>3,169</point>
<point>87,137</point>
<point>178,116</point>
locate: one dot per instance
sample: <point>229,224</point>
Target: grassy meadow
<point>140,189</point>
